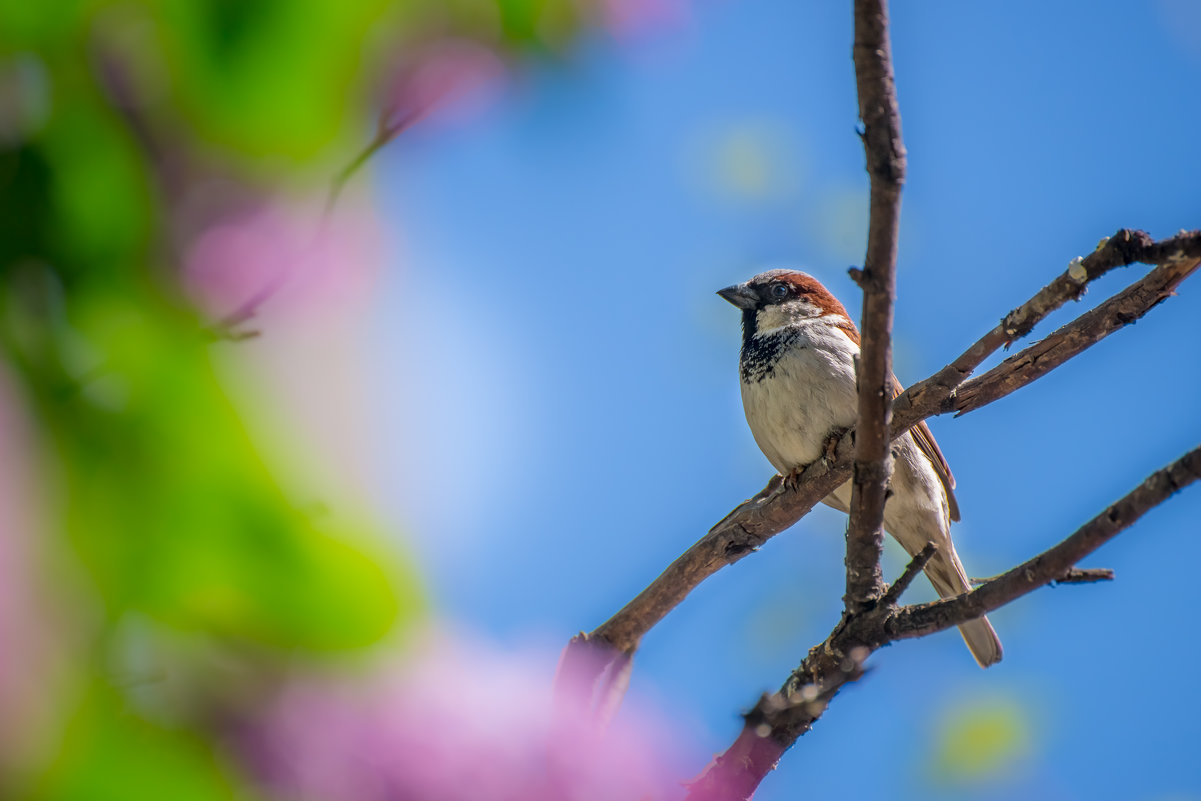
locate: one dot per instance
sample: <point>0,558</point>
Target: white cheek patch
<point>779,315</point>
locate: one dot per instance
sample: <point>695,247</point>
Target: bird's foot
<point>830,445</point>
<point>793,479</point>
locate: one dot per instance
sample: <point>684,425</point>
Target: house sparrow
<point>797,367</point>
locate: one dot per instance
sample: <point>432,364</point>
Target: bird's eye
<point>779,291</point>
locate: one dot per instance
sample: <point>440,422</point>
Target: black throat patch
<point>759,355</point>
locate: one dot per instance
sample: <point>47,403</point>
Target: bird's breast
<point>797,391</point>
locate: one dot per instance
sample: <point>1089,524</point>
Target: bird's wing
<point>925,441</point>
<point>921,434</point>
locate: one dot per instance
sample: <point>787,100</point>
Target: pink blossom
<point>28,632</point>
<point>457,723</point>
<point>628,18</point>
<point>281,258</point>
<point>448,81</point>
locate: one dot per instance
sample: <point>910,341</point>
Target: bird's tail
<point>946,573</point>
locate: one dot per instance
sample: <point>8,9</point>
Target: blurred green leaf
<point>175,514</point>
<point>108,753</point>
<point>275,78</point>
<point>119,119</point>
<point>544,24</point>
<point>101,193</point>
<point>26,209</point>
<point>26,24</point>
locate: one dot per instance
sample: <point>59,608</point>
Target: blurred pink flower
<point>457,723</point>
<point>281,258</point>
<point>28,633</point>
<point>448,81</point>
<point>627,18</point>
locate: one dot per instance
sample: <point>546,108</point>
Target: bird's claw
<point>793,479</point>
<point>830,446</point>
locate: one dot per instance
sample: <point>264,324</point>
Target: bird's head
<point>779,298</point>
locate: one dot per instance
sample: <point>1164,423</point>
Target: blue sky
<point>563,379</point>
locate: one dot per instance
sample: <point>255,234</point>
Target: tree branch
<point>885,154</point>
<point>1086,330</point>
<point>1052,565</point>
<point>778,720</point>
<point>931,396</point>
<point>776,508</point>
<point>779,505</point>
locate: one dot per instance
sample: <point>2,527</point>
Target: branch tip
<point>1086,575</point>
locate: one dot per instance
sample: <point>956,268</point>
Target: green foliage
<point>537,23</point>
<point>109,753</point>
<point>163,515</point>
<point>271,78</point>
<point>161,509</point>
<point>102,214</point>
<point>172,510</point>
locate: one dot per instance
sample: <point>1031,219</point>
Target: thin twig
<point>915,566</point>
<point>1074,575</point>
<point>931,396</point>
<point>386,130</point>
<point>1086,330</point>
<point>1085,575</point>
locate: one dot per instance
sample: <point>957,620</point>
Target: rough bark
<point>885,153</point>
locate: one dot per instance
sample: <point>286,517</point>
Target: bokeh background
<point>308,472</point>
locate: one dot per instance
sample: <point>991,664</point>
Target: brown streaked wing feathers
<point>921,435</point>
<point>925,441</point>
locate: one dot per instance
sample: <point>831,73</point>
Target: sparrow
<point>798,377</point>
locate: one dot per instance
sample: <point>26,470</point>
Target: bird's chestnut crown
<point>802,293</point>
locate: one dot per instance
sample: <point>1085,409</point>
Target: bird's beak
<point>741,296</point>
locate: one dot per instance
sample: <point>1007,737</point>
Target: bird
<point>797,368</point>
